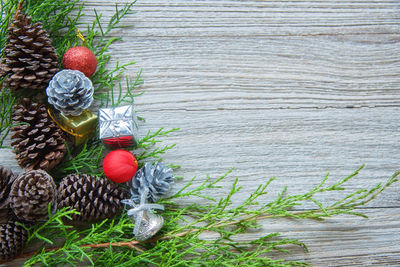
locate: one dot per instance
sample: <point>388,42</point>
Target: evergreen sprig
<point>197,233</point>
<point>86,159</point>
<point>99,40</point>
<point>148,148</point>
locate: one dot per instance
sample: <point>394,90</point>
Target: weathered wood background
<point>291,89</point>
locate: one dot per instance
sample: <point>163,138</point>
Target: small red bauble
<point>120,166</point>
<point>80,58</point>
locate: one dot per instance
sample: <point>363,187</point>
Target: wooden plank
<point>297,146</point>
<point>344,241</point>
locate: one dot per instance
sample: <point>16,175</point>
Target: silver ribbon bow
<point>139,211</point>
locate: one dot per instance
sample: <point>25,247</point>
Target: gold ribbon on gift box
<point>81,127</point>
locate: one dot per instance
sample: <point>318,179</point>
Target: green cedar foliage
<point>181,241</point>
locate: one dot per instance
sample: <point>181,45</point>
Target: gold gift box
<point>81,128</point>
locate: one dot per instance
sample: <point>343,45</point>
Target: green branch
<point>148,145</point>
<point>87,159</point>
<point>182,239</point>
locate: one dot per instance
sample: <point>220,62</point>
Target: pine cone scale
<point>44,165</point>
<point>29,78</point>
<point>41,74</point>
<point>40,137</point>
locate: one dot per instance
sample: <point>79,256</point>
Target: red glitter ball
<point>80,58</point>
<point>120,166</point>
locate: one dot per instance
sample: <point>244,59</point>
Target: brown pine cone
<point>95,198</point>
<point>12,240</point>
<point>38,141</point>
<point>6,180</point>
<point>31,194</point>
<point>29,61</point>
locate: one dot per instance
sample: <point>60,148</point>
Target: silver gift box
<point>118,126</point>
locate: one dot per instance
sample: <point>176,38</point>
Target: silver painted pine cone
<point>157,178</point>
<point>70,91</point>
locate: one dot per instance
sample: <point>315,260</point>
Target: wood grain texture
<point>291,89</point>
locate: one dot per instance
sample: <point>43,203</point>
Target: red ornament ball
<point>80,58</point>
<point>120,166</point>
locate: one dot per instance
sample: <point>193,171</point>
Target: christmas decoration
<point>30,195</point>
<point>6,180</point>
<point>149,183</point>
<point>29,59</point>
<point>70,91</point>
<point>38,142</point>
<point>120,165</point>
<point>12,240</point>
<point>81,128</point>
<point>157,178</point>
<point>182,236</point>
<point>118,127</point>
<point>147,224</point>
<point>80,58</point>
<point>95,198</point>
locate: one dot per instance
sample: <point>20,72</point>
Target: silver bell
<point>149,225</point>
